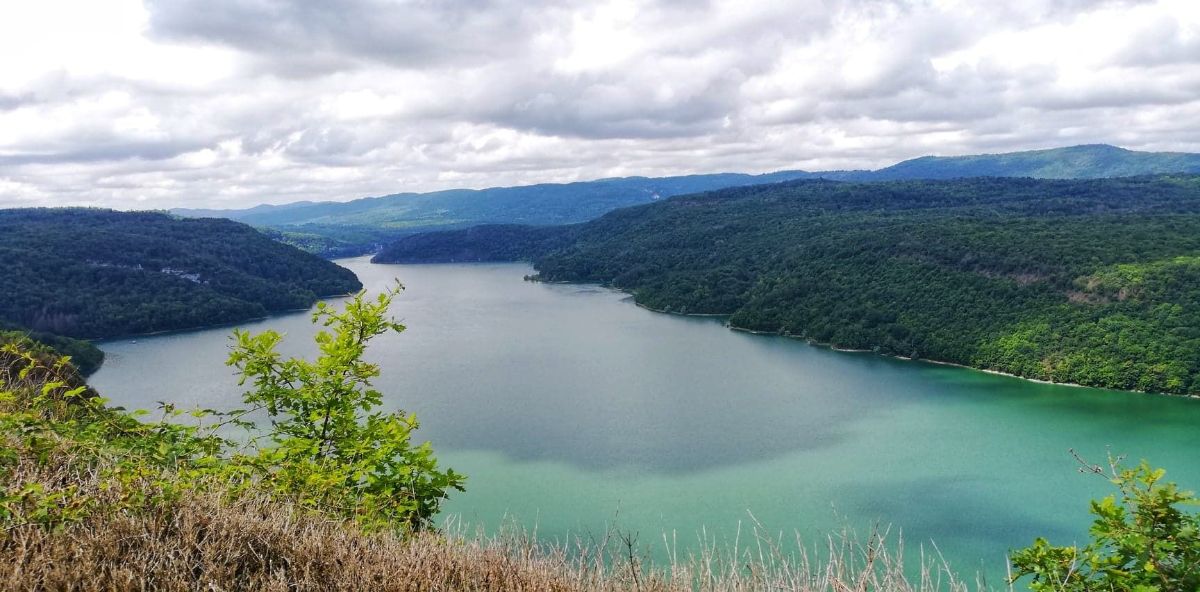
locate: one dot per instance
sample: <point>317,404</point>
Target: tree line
<point>90,273</point>
<point>1095,282</point>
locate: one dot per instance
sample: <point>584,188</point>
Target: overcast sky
<point>230,103</point>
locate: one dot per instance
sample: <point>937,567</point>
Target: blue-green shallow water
<point>568,407</point>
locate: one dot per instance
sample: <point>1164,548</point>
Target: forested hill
<point>98,273</point>
<point>486,242</point>
<point>1094,282</point>
<point>1092,161</point>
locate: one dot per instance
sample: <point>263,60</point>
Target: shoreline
<point>835,348</point>
<point>534,278</point>
<point>273,313</point>
<point>631,295</point>
<point>708,315</point>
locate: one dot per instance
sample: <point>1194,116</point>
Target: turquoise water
<point>571,409</point>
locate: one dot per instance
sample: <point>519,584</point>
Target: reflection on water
<point>566,403</point>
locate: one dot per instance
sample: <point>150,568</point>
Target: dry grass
<point>209,543</point>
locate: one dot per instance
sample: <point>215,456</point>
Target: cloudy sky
<point>229,103</point>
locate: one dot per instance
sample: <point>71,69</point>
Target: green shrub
<point>332,450</point>
<point>328,449</point>
<point>1142,541</point>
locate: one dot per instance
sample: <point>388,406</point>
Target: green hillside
<point>1094,282</point>
<point>1093,161</point>
<point>98,273</point>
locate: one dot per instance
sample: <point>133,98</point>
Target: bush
<point>1142,540</point>
<point>331,450</point>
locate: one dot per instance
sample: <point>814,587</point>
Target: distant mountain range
<point>364,225</point>
<point>1092,161</point>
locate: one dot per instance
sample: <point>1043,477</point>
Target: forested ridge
<point>93,273</point>
<point>1089,161</point>
<point>1094,282</point>
<point>487,242</point>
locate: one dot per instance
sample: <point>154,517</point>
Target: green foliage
<point>332,241</point>
<point>329,449</point>
<point>490,242</point>
<point>1133,280</point>
<point>1142,541</point>
<point>332,450</point>
<point>84,355</point>
<point>1091,282</point>
<point>56,433</point>
<point>98,273</point>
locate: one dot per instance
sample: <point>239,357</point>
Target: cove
<point>570,409</point>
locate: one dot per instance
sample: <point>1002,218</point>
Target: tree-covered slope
<point>1093,161</point>
<point>487,242</point>
<point>98,273</point>
<point>1087,281</point>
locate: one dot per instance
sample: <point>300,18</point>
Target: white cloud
<point>204,103</point>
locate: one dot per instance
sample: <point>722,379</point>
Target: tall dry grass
<point>209,542</point>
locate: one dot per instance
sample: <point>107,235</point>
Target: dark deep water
<point>570,408</point>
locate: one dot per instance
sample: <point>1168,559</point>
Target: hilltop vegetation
<point>84,356</point>
<point>1093,161</point>
<point>1094,282</point>
<point>97,273</point>
<point>488,242</point>
<point>328,447</point>
<point>364,225</point>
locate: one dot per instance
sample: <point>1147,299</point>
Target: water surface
<point>569,408</point>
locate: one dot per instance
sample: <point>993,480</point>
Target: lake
<point>570,409</point>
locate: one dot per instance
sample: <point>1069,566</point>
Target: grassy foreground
<point>209,543</point>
